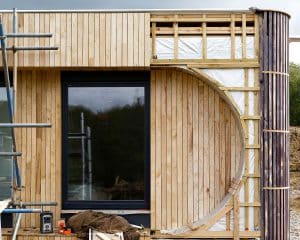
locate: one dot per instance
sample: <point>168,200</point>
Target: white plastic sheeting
<point>218,47</point>
<point>235,78</point>
<point>249,47</point>
<point>165,48</point>
<point>190,47</point>
<point>227,77</point>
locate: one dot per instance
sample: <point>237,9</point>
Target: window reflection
<point>106,143</point>
<point>5,146</point>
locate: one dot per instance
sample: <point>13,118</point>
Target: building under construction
<point>176,120</point>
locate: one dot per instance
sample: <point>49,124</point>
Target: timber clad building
<point>177,120</point>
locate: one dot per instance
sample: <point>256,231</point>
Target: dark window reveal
<point>105,120</point>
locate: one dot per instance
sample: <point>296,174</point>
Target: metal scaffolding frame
<point>16,206</point>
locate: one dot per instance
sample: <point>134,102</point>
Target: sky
<point>290,6</point>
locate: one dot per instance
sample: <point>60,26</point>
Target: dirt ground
<point>295,182</point>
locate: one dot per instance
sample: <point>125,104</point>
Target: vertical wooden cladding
<point>88,39</point>
<point>192,158</point>
<point>39,100</point>
<point>275,125</point>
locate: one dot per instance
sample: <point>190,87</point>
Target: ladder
<point>16,206</point>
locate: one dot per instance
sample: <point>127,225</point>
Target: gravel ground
<point>295,225</point>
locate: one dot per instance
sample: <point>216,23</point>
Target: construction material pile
<point>101,222</point>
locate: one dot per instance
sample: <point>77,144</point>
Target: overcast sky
<point>290,6</point>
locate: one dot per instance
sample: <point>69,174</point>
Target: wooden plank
<point>124,39</point>
<point>211,116</point>
<point>26,40</point>
<point>169,157</point>
<point>102,48</point>
<point>184,149</point>
<point>113,40</point>
<point>52,28</point>
<point>165,169</point>
<point>195,145</point>
<point>222,147</point>
<point>147,40</point>
<point>153,34</point>
<point>154,213</point>
<point>91,39</point>
<point>63,39</point>
<point>58,134</point>
<point>28,150</point>
<point>158,149</point>
<point>107,39</point>
<point>97,45</point>
<point>204,39</point>
<point>206,18</point>
<point>85,40</point>
<point>80,43</point>
<point>201,130</point>
<point>141,39</point>
<point>232,146</point>
<point>190,149</point>
<point>68,29</point>
<point>173,139</point>
<point>232,36</point>
<point>57,41</point>
<point>33,174</point>
<point>209,234</point>
<point>136,24</point>
<point>39,96</point>
<point>175,26</point>
<point>51,78</point>
<point>36,40</point>
<point>218,196</point>
<point>236,213</point>
<point>244,36</point>
<point>75,38</point>
<point>130,39</point>
<point>206,150</point>
<point>179,147</point>
<point>191,30</point>
<point>22,85</point>
<point>21,41</point>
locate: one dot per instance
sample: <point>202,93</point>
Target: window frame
<point>108,79</point>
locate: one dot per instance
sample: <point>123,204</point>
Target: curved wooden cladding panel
<point>86,39</point>
<point>39,101</point>
<point>195,148</point>
<point>274,110</point>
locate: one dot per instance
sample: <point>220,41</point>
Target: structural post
<point>274,111</point>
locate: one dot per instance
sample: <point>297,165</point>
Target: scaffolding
<point>14,205</point>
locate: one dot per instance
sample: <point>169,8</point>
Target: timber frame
<point>127,41</point>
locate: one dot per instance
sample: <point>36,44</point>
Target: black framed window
<point>105,140</point>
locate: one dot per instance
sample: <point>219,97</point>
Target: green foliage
<point>294,94</point>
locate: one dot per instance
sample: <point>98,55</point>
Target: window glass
<point>106,142</point>
<point>5,146</point>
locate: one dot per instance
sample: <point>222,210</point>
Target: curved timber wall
<point>196,148</point>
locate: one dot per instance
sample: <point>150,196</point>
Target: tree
<point>294,94</point>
